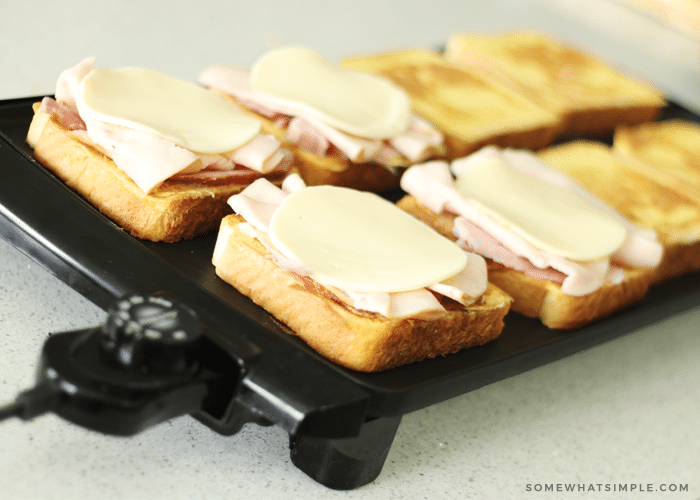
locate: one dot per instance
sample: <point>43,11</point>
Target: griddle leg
<point>347,463</point>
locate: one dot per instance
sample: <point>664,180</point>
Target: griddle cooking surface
<point>102,262</point>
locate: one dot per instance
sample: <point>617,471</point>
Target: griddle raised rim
<point>525,343</point>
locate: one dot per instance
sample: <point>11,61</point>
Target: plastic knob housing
<point>153,335</point>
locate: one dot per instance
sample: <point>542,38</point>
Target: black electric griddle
<point>341,423</point>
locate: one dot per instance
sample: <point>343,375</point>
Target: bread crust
<point>358,340</point>
<point>537,298</point>
<point>174,211</point>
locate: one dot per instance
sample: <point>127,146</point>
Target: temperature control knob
<point>153,335</point>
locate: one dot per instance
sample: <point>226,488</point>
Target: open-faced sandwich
<point>360,281</point>
<point>157,155</point>
<point>563,255</point>
<point>644,195</point>
<point>346,128</point>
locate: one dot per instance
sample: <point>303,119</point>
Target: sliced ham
<point>148,159</point>
<point>69,81</point>
<point>432,185</point>
<point>466,286</point>
<point>236,81</point>
<point>238,175</point>
<point>262,153</point>
<point>357,149</point>
<point>640,248</point>
<point>417,143</point>
<point>63,113</point>
<point>292,183</point>
<point>472,237</point>
<point>379,303</point>
<point>213,169</point>
<point>258,201</point>
<point>257,204</point>
<point>301,133</point>
<point>413,303</point>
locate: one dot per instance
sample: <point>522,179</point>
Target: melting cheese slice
<point>161,105</point>
<point>301,81</point>
<point>550,218</point>
<point>360,242</point>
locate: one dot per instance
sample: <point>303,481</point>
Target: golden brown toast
<point>472,108</point>
<point>352,338</point>
<point>644,199</point>
<point>590,96</point>
<point>542,299</point>
<point>173,211</point>
<point>668,150</point>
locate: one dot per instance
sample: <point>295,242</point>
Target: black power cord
<point>12,410</point>
<point>33,402</point>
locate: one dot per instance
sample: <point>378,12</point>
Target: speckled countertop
<point>626,413</point>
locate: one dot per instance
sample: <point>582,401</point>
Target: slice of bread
<point>590,96</point>
<point>318,170</point>
<point>668,150</point>
<point>358,340</point>
<point>174,211</point>
<point>471,107</point>
<point>642,196</point>
<point>538,298</point>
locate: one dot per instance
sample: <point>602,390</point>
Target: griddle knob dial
<point>154,335</point>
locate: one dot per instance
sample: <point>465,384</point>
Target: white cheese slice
<point>360,242</point>
<point>167,107</point>
<point>301,81</point>
<point>551,218</point>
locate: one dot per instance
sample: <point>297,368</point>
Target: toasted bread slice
<point>472,108</point>
<point>352,338</point>
<point>538,298</point>
<point>646,200</point>
<point>590,96</point>
<point>174,211</point>
<point>668,150</point>
<point>318,170</point>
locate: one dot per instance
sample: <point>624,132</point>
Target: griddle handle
<point>149,362</point>
<point>346,463</point>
